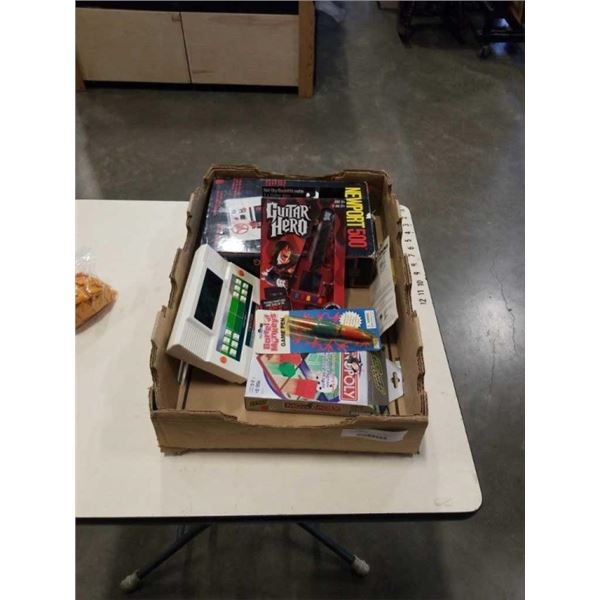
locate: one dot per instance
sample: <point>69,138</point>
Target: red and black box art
<point>303,253</point>
<point>233,220</point>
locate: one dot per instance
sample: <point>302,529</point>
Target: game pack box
<point>233,221</point>
<point>334,383</point>
<point>302,252</point>
<point>327,330</point>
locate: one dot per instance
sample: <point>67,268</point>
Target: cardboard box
<point>210,413</point>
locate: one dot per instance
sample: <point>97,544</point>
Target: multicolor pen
<point>327,329</point>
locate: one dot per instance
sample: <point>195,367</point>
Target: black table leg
<point>185,535</point>
<point>358,565</point>
<point>133,581</point>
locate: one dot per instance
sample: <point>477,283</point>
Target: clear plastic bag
<point>92,295</point>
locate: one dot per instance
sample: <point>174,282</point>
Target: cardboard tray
<point>213,415</point>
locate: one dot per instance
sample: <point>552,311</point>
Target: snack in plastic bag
<point>91,294</point>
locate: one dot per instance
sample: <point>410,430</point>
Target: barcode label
<point>370,321</point>
<point>375,434</point>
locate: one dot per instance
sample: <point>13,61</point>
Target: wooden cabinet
<point>131,45</point>
<point>155,46</point>
<point>242,49</point>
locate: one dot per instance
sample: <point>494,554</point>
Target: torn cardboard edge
<point>216,429</point>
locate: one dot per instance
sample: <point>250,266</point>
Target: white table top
<point>120,472</point>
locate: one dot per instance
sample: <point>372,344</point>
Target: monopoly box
<point>333,383</point>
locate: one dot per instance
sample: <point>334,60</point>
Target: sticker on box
<point>244,215</point>
<point>378,435</point>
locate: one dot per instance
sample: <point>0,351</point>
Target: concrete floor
<point>449,128</point>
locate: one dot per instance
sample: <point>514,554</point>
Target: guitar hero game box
<point>233,220</point>
<point>302,257</point>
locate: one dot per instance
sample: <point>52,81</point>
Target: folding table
<point>121,473</point>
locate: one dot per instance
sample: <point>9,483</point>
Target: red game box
<point>303,244</point>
